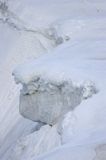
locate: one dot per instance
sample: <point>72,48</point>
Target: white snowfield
<point>77,31</point>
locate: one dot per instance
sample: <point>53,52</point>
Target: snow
<point>89,152</point>
<point>33,29</point>
<point>51,67</point>
<point>86,122</point>
<point>35,143</point>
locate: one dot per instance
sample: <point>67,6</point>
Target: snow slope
<point>36,143</point>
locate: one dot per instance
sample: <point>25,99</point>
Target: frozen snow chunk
<point>36,143</point>
<point>48,102</point>
<point>89,89</point>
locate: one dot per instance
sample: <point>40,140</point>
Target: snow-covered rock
<point>64,85</point>
<point>49,101</point>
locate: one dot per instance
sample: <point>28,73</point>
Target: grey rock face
<point>49,102</point>
<point>46,101</point>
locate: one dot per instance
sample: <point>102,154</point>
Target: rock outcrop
<point>48,102</point>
